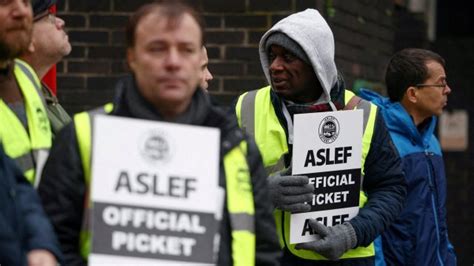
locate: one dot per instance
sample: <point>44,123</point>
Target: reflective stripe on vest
<point>29,148</point>
<point>83,127</point>
<point>256,108</point>
<point>240,203</point>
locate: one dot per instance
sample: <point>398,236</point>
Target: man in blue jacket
<point>26,235</point>
<point>418,92</point>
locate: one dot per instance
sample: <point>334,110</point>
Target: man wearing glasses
<point>49,44</point>
<point>418,92</point>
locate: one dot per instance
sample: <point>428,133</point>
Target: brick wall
<point>364,34</point>
<point>363,31</point>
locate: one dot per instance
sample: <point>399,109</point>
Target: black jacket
<point>62,186</point>
<point>23,224</point>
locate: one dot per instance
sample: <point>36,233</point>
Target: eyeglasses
<point>51,17</point>
<point>444,85</point>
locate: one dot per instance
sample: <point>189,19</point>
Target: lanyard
<point>289,122</point>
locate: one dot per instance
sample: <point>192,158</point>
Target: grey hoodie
<point>309,29</point>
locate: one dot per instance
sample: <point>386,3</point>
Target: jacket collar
<point>398,120</point>
<point>129,102</point>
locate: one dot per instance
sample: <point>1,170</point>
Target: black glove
<point>333,241</point>
<point>289,193</point>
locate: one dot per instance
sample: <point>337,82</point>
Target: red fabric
<point>50,77</point>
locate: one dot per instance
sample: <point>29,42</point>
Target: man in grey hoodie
<point>297,56</point>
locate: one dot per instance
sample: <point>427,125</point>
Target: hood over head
<point>281,39</point>
<point>312,35</point>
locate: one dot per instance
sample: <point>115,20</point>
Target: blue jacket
<point>420,235</point>
<point>23,223</point>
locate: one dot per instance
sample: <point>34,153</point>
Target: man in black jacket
<point>164,54</point>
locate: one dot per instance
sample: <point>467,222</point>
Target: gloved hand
<point>289,193</point>
<point>332,241</point>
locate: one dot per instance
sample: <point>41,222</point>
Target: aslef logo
<point>155,147</point>
<point>42,119</point>
<point>329,129</point>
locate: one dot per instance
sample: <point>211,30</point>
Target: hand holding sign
<point>331,242</point>
<point>290,193</point>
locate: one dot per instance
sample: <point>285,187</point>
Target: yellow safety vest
<point>29,148</point>
<point>256,115</point>
<point>239,193</point>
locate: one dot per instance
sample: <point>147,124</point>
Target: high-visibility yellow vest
<point>256,115</point>
<point>239,193</point>
<point>29,148</point>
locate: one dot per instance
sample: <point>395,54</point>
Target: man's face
<point>15,27</point>
<point>292,78</point>
<point>49,38</point>
<point>166,60</point>
<point>432,99</point>
<point>206,74</point>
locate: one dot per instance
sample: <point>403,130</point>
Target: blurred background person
<point>49,44</point>
<point>25,133</point>
<point>26,236</point>
<point>206,74</point>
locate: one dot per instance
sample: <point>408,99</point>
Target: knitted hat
<point>281,39</point>
<point>39,6</point>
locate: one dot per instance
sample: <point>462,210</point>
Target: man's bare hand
<point>41,257</point>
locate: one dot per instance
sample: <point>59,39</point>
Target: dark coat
<point>62,187</point>
<point>23,223</point>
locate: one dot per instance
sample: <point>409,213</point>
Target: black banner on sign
<point>163,234</point>
<point>335,190</point>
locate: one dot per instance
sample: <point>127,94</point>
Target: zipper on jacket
<point>433,203</point>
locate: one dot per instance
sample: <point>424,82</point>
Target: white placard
<point>454,130</point>
<point>155,192</point>
<point>327,148</point>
